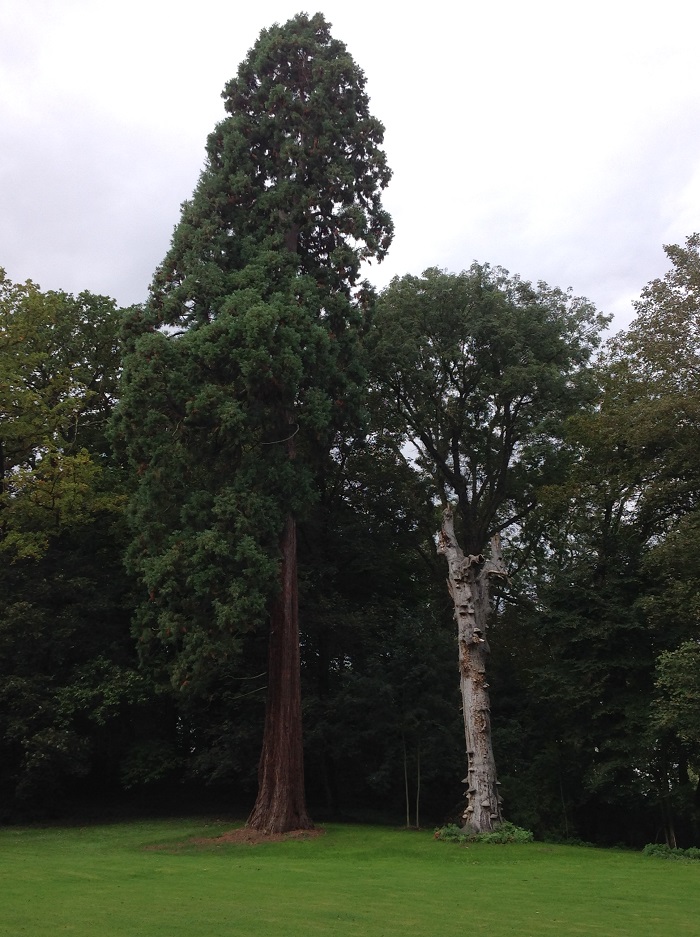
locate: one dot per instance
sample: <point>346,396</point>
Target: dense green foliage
<point>59,374</point>
<point>477,373</point>
<point>616,592</point>
<point>69,688</point>
<point>662,851</point>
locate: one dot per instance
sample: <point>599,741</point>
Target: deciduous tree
<point>477,373</point>
<point>59,366</point>
<point>619,582</point>
<point>67,677</point>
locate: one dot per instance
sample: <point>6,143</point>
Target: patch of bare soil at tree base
<point>243,837</point>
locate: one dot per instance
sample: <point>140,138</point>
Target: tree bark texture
<point>281,801</point>
<point>469,587</point>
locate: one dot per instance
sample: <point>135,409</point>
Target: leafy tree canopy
<point>59,369</point>
<point>478,371</point>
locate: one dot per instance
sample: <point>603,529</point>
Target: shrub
<point>504,833</point>
<point>662,851</point>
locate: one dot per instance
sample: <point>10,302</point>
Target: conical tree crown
<point>292,182</point>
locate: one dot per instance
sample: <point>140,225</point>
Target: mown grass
<point>369,881</point>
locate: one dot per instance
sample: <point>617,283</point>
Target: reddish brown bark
<point>281,801</point>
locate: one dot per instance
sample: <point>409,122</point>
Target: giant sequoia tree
<point>243,366</point>
<point>476,374</point>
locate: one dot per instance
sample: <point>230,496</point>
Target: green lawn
<point>102,881</point>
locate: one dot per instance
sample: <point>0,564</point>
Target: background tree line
<point>144,496</point>
<point>594,670</point>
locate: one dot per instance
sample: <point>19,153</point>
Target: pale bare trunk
<point>468,584</point>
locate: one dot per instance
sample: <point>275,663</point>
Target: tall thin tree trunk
<point>405,782</point>
<point>468,584</point>
<point>563,803</point>
<point>281,801</point>
<point>418,784</point>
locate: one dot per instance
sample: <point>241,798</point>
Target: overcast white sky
<point>560,140</point>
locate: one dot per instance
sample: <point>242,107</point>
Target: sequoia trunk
<point>468,584</point>
<point>281,801</point>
